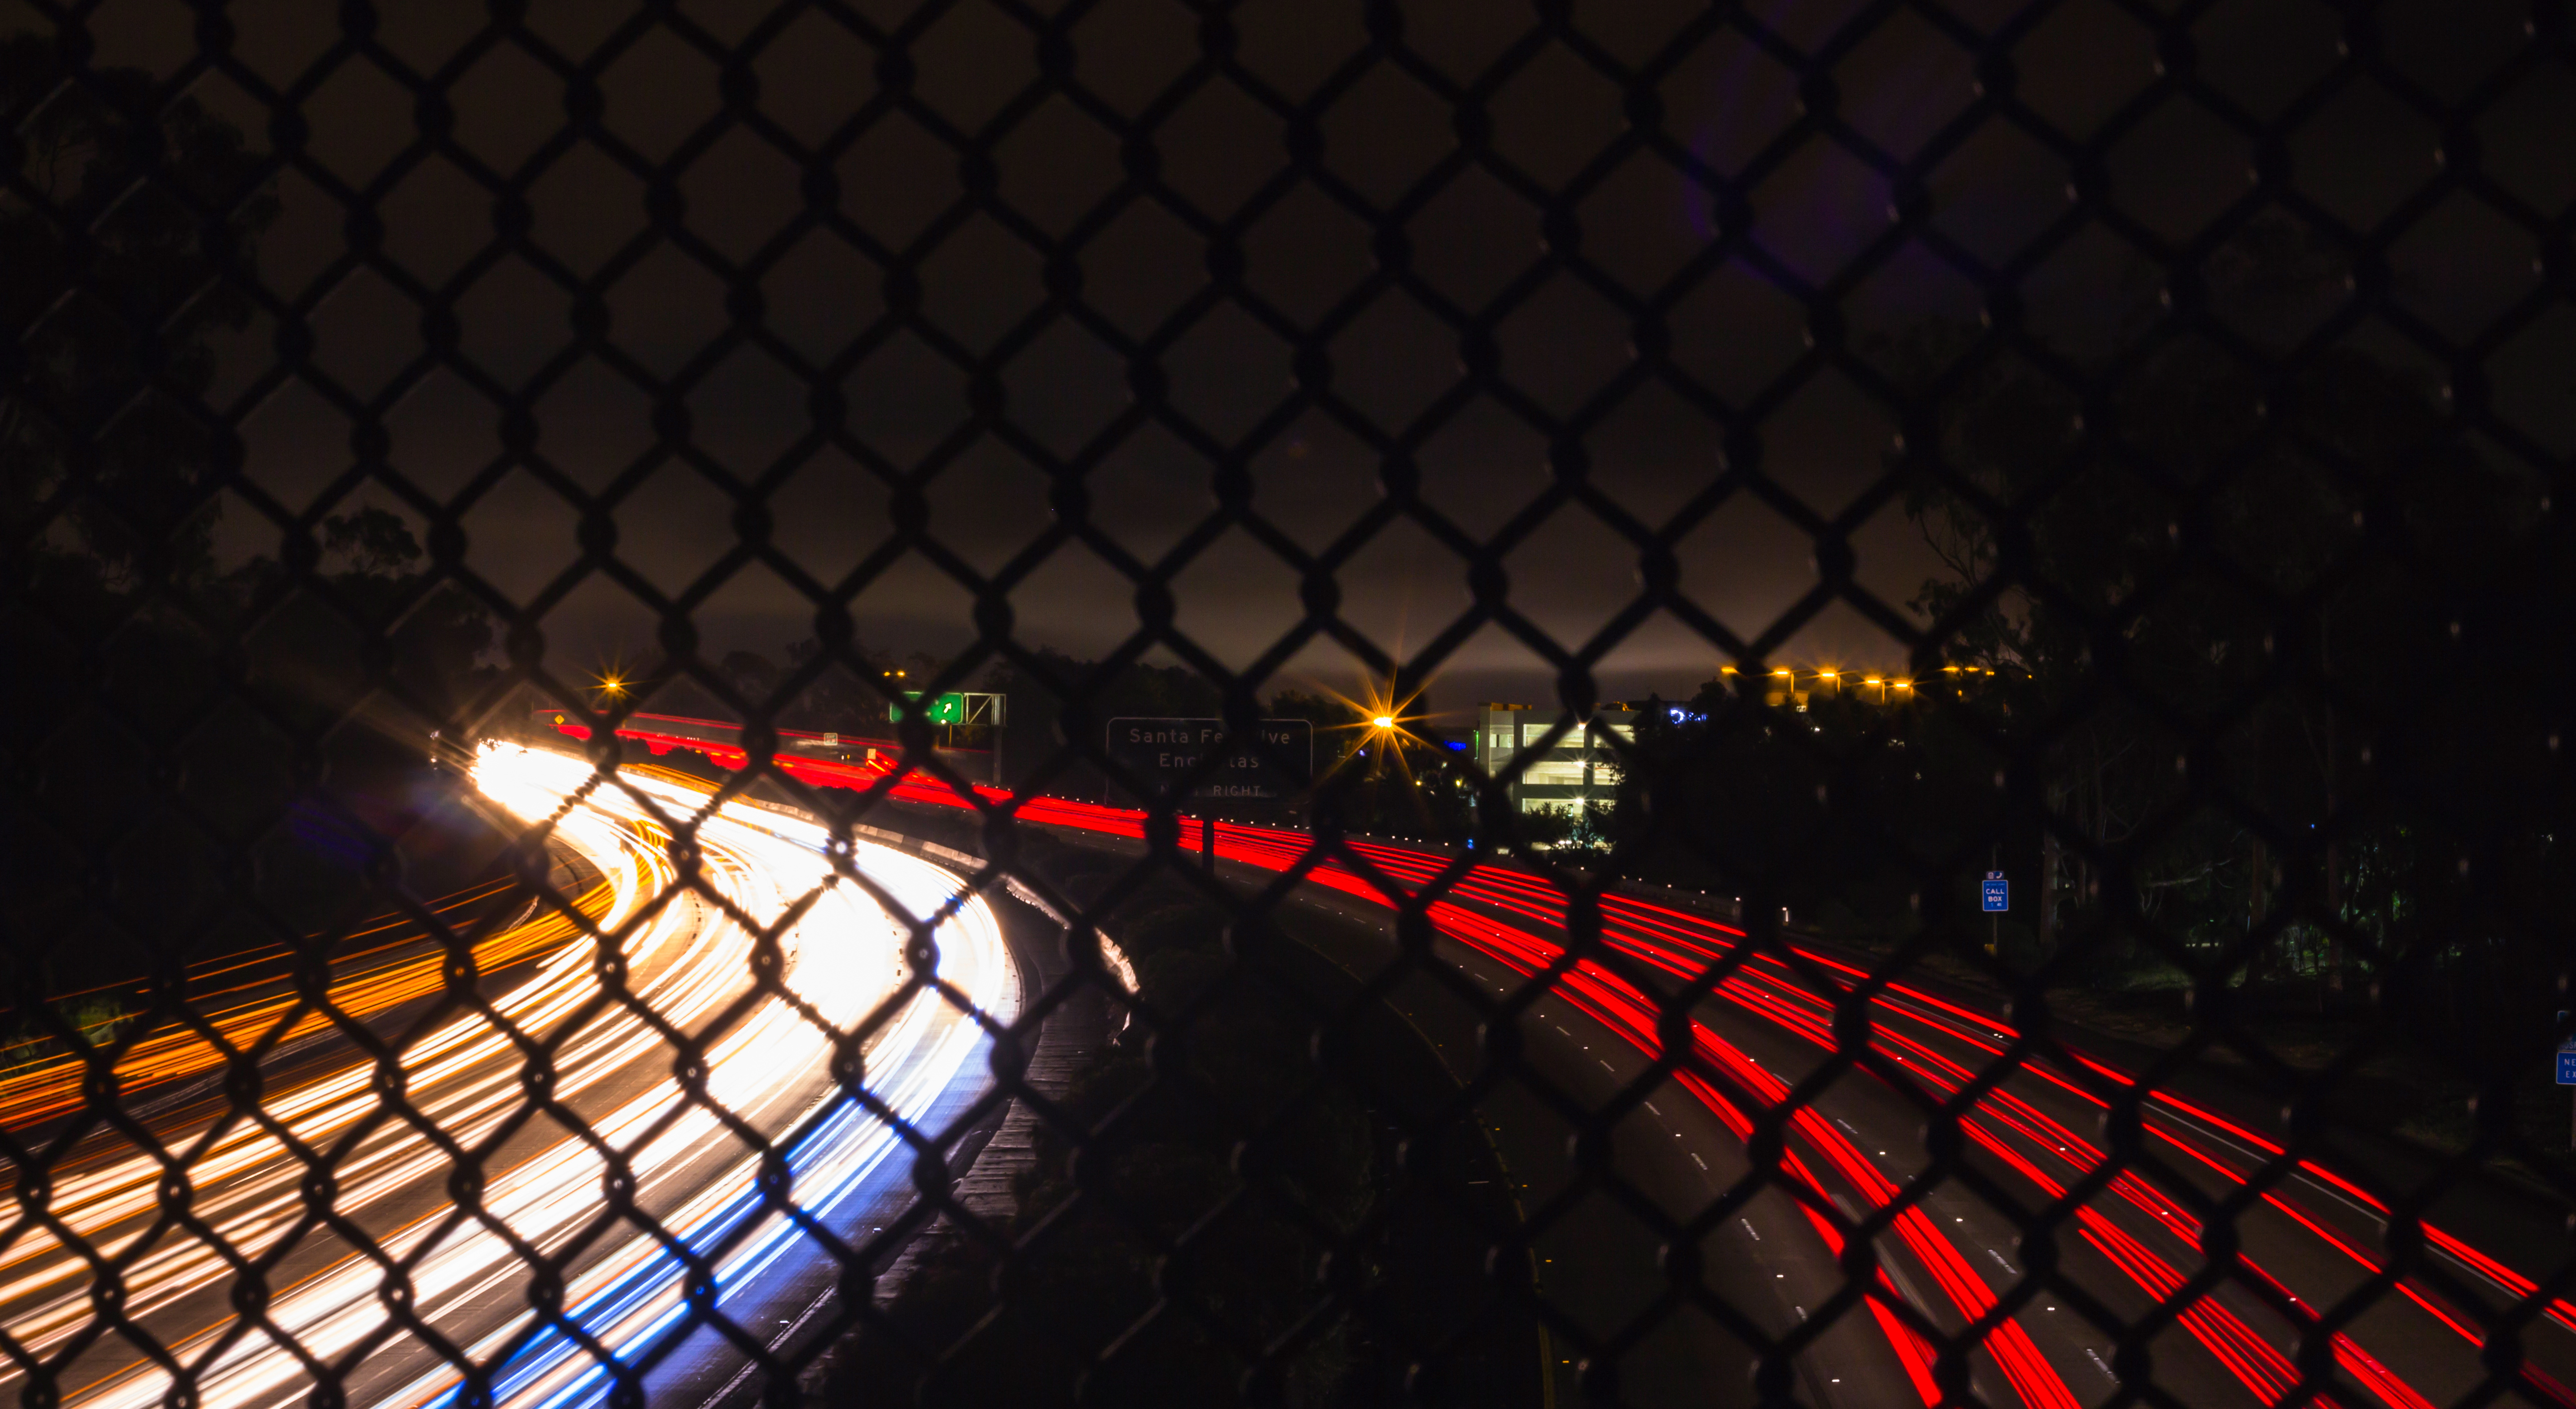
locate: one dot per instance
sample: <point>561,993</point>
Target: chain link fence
<point>2032,878</point>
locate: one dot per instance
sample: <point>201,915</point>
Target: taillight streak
<point>1699,939</point>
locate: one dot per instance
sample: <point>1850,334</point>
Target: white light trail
<point>688,963</point>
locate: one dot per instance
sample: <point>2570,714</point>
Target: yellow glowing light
<point>1824,675</point>
<point>1871,680</point>
<point>1384,721</point>
<point>1779,672</point>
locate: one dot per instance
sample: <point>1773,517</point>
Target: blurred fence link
<point>2178,395</point>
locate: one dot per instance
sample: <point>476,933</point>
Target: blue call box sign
<point>1996,892</point>
<point>2567,1066</point>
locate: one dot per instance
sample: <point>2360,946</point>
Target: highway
<point>2310,1243</point>
<point>507,1163</point>
<point>392,1199</point>
<point>1855,1144</point>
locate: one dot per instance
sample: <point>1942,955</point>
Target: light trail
<point>2005,1124</point>
<point>502,1083</point>
<point>38,1090</point>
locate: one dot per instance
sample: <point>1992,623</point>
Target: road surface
<point>394,1201</point>
<point>2286,1258</point>
<point>2308,1234</point>
<point>1802,1110</point>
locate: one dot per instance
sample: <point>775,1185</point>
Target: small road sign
<point>1172,755</point>
<point>1996,892</point>
<point>2567,1066</point>
<point>942,709</point>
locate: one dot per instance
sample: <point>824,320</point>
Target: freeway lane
<point>493,1175</point>
<point>1600,1242</point>
<point>242,997</point>
<point>2270,1248</point>
<point>2306,1241</point>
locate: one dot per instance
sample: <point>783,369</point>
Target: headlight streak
<point>126,1189</point>
<point>1680,943</point>
<point>631,1305</point>
<point>843,958</point>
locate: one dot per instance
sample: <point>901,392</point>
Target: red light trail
<point>1906,1023</point>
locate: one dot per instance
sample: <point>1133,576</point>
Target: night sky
<point>1389,142</point>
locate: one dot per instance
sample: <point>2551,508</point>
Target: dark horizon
<point>1822,439</point>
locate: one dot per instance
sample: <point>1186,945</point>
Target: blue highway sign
<point>2567,1066</point>
<point>1997,892</point>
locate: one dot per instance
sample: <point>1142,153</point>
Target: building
<point>1581,766</point>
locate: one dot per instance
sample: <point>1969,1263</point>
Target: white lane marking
<point>1999,1262</point>
<point>2096,1357</point>
<point>1748,1229</point>
<point>1651,1106</point>
<point>1703,1164</point>
<point>1605,1066</point>
<point>2378,1220</point>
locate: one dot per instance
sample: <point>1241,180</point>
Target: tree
<point>199,757</point>
<point>2227,552</point>
<point>125,220</point>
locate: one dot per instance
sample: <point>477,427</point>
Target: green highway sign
<point>942,709</point>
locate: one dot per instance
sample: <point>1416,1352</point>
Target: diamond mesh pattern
<point>2244,637</point>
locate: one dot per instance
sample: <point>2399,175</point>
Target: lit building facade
<point>1581,766</point>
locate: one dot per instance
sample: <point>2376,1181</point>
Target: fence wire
<point>2173,401</point>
